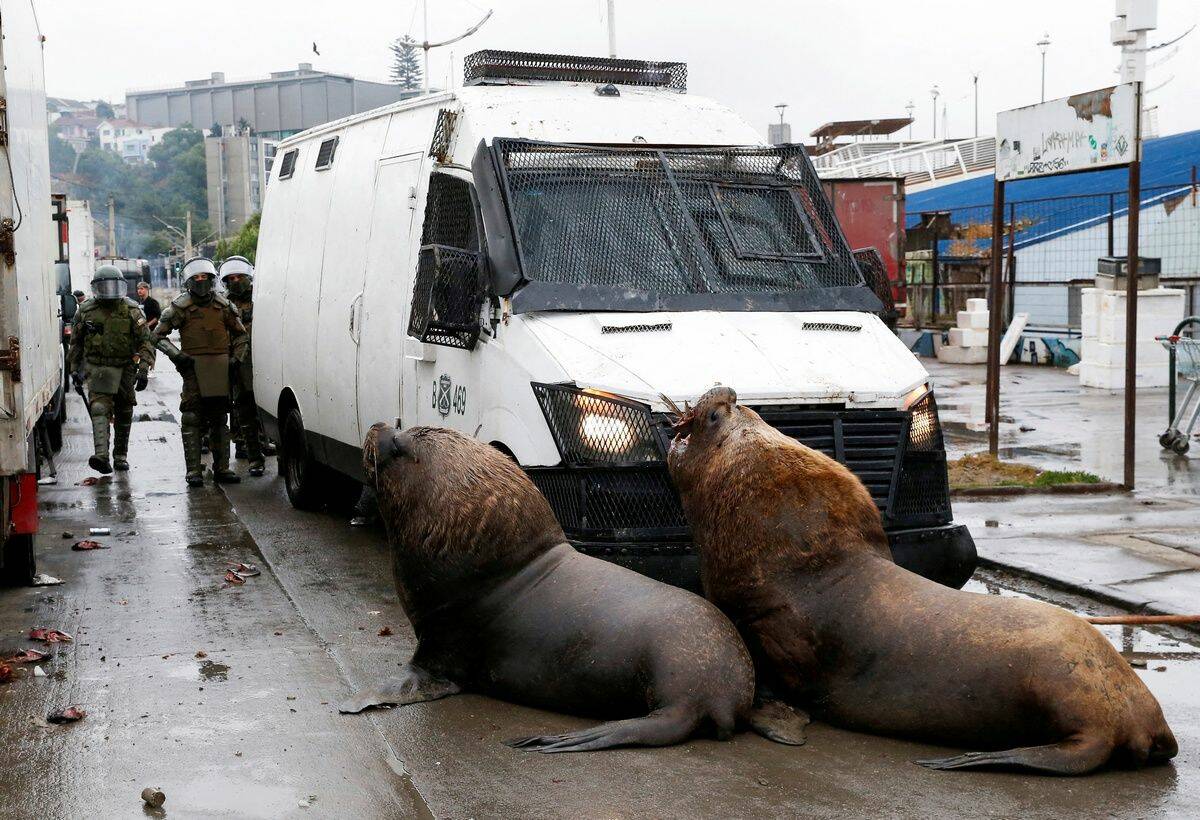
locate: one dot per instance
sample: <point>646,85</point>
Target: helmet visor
<point>108,288</point>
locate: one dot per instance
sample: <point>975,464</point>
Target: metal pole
<point>975,81</point>
<point>1011,299</point>
<point>1043,75</point>
<point>425,46</point>
<point>1131,293</point>
<point>1112,207</point>
<point>994,319</point>
<point>612,28</point>
<point>933,275</point>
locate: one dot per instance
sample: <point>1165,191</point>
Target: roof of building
<point>218,80</point>
<point>852,128</point>
<point>1167,164</point>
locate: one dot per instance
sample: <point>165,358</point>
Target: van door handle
<point>354,308</point>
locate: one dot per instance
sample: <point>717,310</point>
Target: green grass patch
<point>1052,478</point>
<point>985,470</point>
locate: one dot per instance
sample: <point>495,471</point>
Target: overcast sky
<point>827,60</point>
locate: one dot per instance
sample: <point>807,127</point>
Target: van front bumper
<point>943,554</point>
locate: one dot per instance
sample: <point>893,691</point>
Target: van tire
<point>301,472</point>
<point>18,565</point>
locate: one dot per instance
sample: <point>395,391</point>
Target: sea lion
<point>503,605</point>
<point>792,548</point>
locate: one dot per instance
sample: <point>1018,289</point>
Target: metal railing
<point>918,163</point>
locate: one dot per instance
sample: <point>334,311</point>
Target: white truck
<point>546,258</point>
<point>30,328</point>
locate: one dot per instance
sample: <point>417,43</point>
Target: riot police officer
<point>211,340</point>
<point>112,352</point>
<point>237,275</point>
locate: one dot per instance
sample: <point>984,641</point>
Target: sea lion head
<point>702,429</point>
<point>461,516</point>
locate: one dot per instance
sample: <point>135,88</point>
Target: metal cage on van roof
<point>739,228</point>
<point>491,64</point>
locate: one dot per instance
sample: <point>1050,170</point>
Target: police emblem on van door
<point>441,395</point>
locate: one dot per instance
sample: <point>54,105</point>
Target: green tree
<point>215,130</point>
<point>406,68</point>
<point>62,155</point>
<point>105,111</point>
<point>245,243</point>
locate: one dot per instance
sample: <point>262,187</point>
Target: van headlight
<point>924,428</point>
<point>593,427</point>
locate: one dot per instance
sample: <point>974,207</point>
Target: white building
<point>132,140</point>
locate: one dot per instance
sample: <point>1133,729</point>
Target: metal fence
<point>1051,248</point>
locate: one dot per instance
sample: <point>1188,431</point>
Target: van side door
<point>391,261</point>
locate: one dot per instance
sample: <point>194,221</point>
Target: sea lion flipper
<point>778,721</point>
<point>1075,755</point>
<point>413,685</point>
<point>662,727</point>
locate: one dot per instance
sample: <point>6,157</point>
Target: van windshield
<point>678,222</point>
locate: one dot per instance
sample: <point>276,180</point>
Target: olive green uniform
<point>212,334</point>
<point>111,345</point>
<point>243,414</point>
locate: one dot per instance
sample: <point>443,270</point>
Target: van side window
<point>288,166</point>
<point>449,290</point>
<point>450,214</point>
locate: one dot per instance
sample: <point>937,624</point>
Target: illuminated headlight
<point>924,430</point>
<point>592,427</point>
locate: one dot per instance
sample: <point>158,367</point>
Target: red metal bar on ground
<point>1144,619</point>
<point>995,317</point>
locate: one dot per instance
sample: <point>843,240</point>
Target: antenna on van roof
<point>426,45</point>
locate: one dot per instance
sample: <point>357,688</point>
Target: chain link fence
<point>1051,248</point>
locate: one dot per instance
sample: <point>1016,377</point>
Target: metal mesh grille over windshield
<point>678,221</point>
<point>491,64</point>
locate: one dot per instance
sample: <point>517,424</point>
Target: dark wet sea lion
<point>793,550</point>
<point>503,605</point>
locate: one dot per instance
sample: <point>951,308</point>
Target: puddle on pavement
<point>1140,643</point>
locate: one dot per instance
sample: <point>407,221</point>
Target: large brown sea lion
<point>793,550</point>
<point>503,605</point>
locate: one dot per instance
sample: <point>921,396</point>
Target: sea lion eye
<point>713,416</point>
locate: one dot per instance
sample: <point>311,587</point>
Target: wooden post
<point>995,317</point>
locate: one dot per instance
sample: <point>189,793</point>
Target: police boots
<point>189,425</point>
<point>219,438</point>
<point>121,425</point>
<point>99,461</point>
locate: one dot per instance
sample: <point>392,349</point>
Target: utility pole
<point>934,93</point>
<point>612,28</point>
<point>187,241</point>
<point>910,108</point>
<point>112,227</point>
<point>975,83</point>
<point>1044,44</point>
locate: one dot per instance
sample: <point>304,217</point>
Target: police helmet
<point>108,283</point>
<point>199,289</point>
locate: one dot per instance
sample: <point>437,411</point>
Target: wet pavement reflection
<point>224,695</point>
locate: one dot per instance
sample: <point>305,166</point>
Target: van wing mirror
<point>448,297</point>
<point>62,275</point>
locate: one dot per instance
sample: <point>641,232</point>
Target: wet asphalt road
<point>249,728</point>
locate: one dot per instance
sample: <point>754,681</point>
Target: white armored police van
<point>546,258</point>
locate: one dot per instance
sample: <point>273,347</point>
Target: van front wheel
<point>301,472</point>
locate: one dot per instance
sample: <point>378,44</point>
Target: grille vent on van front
<point>288,166</point>
<point>325,155</point>
<point>439,148</point>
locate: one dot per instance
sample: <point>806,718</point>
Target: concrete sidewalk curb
<point>1101,487</point>
<point>1104,593</point>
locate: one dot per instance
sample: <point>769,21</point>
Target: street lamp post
<point>934,92</point>
<point>1044,44</point>
<point>910,108</point>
